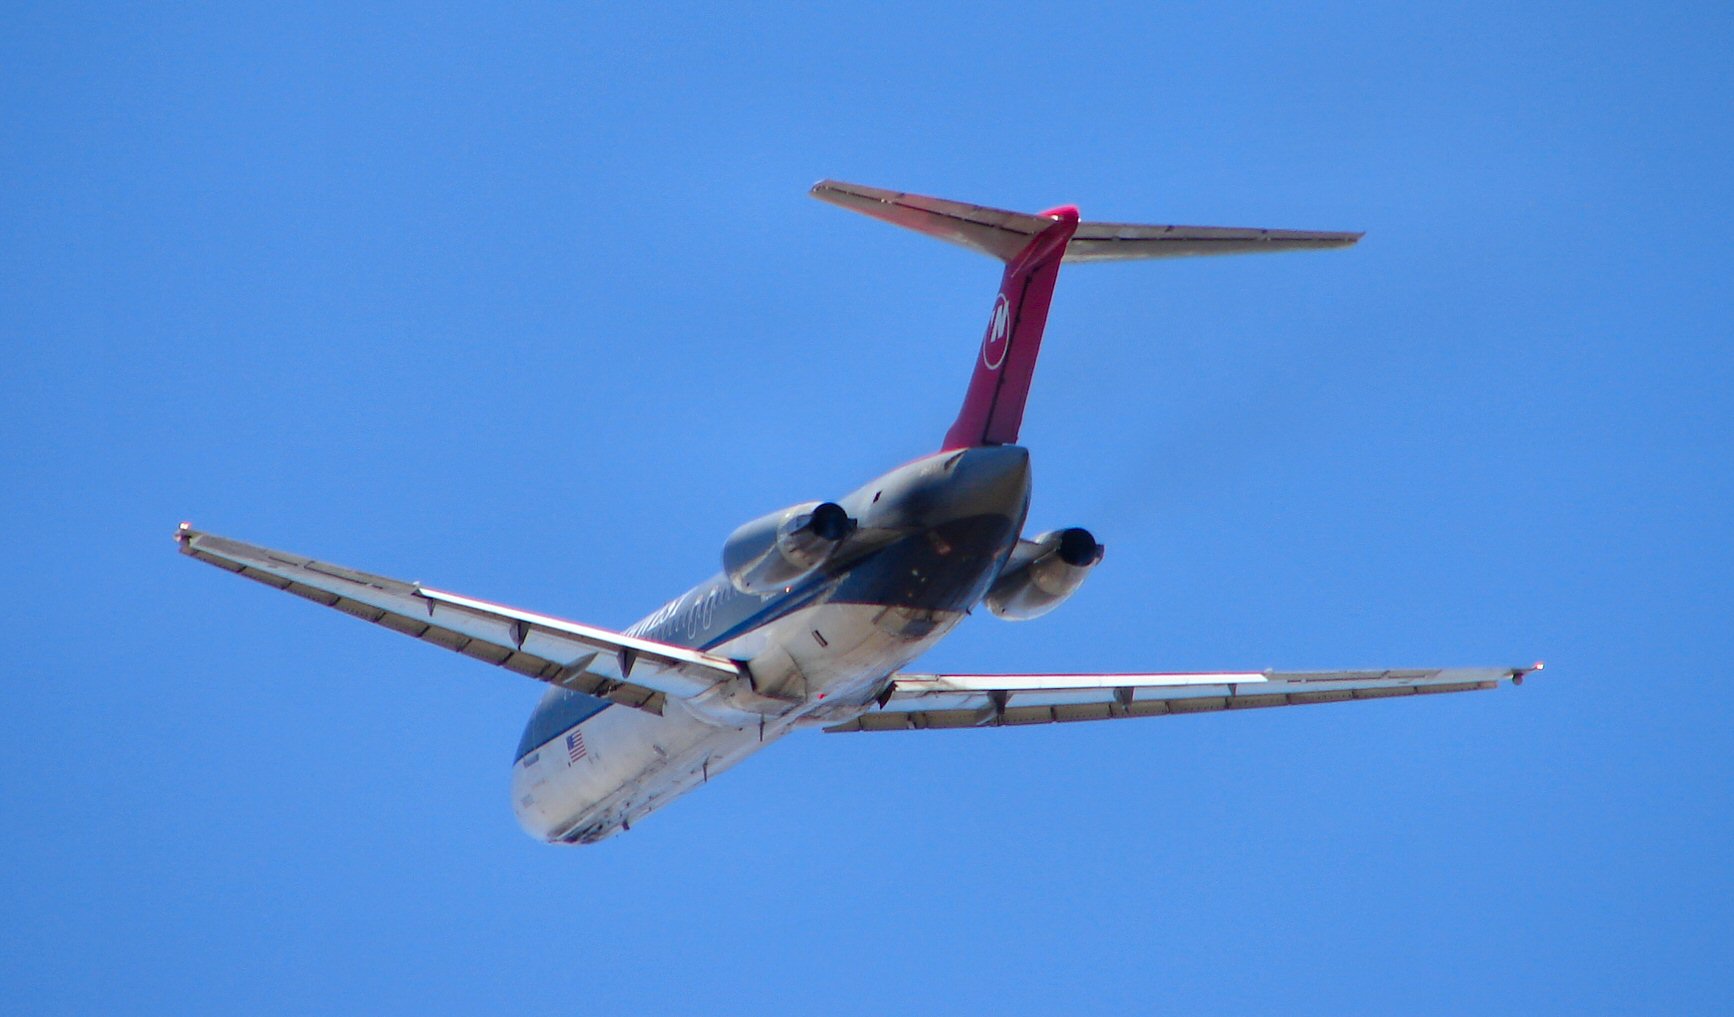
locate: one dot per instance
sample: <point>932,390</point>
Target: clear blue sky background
<point>530,304</point>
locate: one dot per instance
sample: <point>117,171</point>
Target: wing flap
<point>636,672</point>
<point>920,702</point>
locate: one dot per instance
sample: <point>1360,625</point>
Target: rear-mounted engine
<point>1042,573</point>
<point>775,550</point>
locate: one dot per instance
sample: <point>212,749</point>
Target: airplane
<point>820,606</point>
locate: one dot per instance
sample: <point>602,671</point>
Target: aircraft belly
<point>845,650</point>
<point>618,766</point>
<point>834,652</point>
<point>621,764</point>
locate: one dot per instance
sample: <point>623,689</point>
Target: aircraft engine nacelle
<point>1042,573</point>
<point>775,550</point>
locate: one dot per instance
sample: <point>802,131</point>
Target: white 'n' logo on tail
<point>994,345</point>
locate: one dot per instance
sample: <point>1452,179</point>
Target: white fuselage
<point>822,654</point>
<point>633,762</point>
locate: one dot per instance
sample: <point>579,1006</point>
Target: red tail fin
<point>1032,246</point>
<point>993,408</point>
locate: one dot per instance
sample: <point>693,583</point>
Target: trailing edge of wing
<point>640,673</point>
<point>920,701</point>
<point>1002,234</point>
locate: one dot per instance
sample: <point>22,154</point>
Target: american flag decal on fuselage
<point>575,746</point>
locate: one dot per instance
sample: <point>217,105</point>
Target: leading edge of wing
<point>625,669</point>
<point>920,701</point>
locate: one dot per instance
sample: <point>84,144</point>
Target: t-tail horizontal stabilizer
<point>1033,247</point>
<point>1003,235</point>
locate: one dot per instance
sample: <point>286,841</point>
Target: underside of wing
<point>921,701</point>
<point>635,672</point>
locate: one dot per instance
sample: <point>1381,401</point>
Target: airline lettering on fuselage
<point>994,345</point>
<point>686,616</point>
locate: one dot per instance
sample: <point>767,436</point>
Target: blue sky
<point>530,304</point>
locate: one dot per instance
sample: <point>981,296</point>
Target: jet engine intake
<point>774,550</point>
<point>1042,573</point>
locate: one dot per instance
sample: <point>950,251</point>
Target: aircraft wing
<point>641,673</point>
<point>921,701</point>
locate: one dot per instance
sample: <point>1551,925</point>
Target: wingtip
<point>1520,673</point>
<point>829,189</point>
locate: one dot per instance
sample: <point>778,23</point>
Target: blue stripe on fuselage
<point>945,568</point>
<point>560,711</point>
